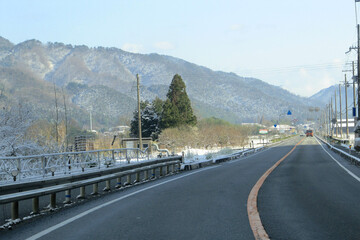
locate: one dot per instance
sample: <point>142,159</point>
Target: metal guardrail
<point>219,159</point>
<point>45,165</point>
<point>352,158</point>
<point>67,183</point>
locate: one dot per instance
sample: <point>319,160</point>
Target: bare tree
<point>57,117</point>
<point>14,122</point>
<point>66,122</point>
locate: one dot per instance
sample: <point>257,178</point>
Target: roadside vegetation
<point>173,125</point>
<point>170,122</point>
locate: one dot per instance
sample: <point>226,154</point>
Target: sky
<point>297,45</point>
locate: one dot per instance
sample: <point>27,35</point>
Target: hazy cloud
<point>236,27</point>
<point>132,47</point>
<point>164,45</point>
<point>303,72</point>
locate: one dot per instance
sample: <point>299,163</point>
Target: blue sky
<point>298,45</point>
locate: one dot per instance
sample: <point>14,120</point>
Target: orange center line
<point>253,213</point>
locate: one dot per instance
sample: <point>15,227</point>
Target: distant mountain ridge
<point>324,96</point>
<point>111,72</point>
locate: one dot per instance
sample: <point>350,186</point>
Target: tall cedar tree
<point>177,109</point>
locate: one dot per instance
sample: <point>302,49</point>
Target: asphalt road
<point>307,197</point>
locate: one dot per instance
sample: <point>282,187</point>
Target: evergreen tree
<point>177,109</point>
<point>150,122</point>
<point>158,105</point>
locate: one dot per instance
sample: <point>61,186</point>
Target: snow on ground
<point>200,155</point>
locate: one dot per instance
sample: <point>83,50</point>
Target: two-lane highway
<point>308,196</point>
<point>206,204</point>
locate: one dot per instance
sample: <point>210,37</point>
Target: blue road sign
<point>289,112</point>
<point>275,125</point>
<point>354,112</point>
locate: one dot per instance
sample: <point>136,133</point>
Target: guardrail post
<point>153,173</point>
<point>167,171</point>
<point>14,210</point>
<point>113,156</point>
<point>118,182</point>
<point>52,200</point>
<point>35,206</point>
<point>95,189</point>
<point>128,180</point>
<point>146,175</point>
<point>107,186</point>
<point>67,197</point>
<point>161,171</point>
<point>82,193</point>
<point>137,177</point>
<point>172,168</point>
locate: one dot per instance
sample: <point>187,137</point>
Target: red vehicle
<point>309,133</point>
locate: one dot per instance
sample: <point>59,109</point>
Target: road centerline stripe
<point>252,209</point>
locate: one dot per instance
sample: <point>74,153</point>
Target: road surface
<point>308,196</point>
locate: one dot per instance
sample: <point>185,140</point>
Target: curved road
<point>308,196</point>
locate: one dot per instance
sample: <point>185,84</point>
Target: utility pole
<point>336,123</point>
<point>139,110</point>
<point>354,94</point>
<point>346,107</point>
<point>66,124</point>
<point>341,133</point>
<point>57,117</point>
<point>358,67</point>
<point>326,120</point>
<point>332,117</point>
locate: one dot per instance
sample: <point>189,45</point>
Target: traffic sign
<point>289,112</point>
<point>263,131</point>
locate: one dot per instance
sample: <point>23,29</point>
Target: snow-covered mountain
<point>324,96</point>
<point>102,72</point>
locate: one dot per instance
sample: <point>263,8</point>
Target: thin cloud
<point>303,72</point>
<point>236,27</point>
<point>132,47</point>
<point>164,45</point>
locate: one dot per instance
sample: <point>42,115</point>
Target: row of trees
<point>174,124</point>
<point>174,112</point>
<point>208,133</point>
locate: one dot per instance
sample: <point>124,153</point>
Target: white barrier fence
<point>46,165</point>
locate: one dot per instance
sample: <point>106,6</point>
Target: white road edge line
<point>346,170</point>
<point>59,225</point>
